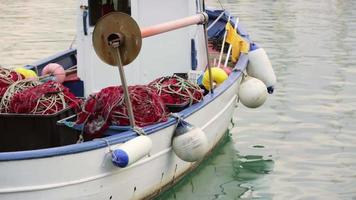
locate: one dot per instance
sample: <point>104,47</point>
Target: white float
<point>252,92</point>
<point>190,143</point>
<point>131,151</point>
<point>260,67</point>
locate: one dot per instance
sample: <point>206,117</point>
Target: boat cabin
<point>173,52</point>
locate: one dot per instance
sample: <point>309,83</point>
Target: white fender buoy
<point>189,142</point>
<point>260,67</point>
<point>252,92</point>
<point>131,151</point>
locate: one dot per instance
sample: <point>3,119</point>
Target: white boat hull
<point>91,175</point>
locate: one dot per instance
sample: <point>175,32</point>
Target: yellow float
<point>218,76</point>
<point>27,73</point>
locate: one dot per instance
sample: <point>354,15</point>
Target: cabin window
<point>99,8</point>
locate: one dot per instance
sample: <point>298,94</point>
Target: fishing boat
<point>123,42</point>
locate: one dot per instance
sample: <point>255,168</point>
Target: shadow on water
<point>225,174</point>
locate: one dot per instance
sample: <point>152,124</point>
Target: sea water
<point>300,145</point>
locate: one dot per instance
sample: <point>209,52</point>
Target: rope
<point>175,90</point>
<point>14,88</point>
<point>139,130</point>
<point>48,98</point>
<point>8,77</point>
<point>108,108</point>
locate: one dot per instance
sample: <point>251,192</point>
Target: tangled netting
<point>48,98</point>
<point>175,90</point>
<point>8,77</point>
<point>108,108</point>
<point>14,88</point>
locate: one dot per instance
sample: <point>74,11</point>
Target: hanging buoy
<point>189,143</point>
<point>55,70</point>
<point>252,92</point>
<point>260,67</point>
<point>218,76</point>
<point>131,151</point>
<point>27,73</point>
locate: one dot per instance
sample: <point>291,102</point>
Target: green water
<point>226,174</point>
<point>300,145</point>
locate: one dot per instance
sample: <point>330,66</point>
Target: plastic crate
<point>28,131</point>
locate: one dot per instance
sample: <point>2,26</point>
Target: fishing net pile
<point>44,99</point>
<point>175,90</point>
<point>8,77</point>
<point>108,108</point>
<point>11,90</point>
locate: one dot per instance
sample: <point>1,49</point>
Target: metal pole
<point>208,60</point>
<point>207,51</point>
<point>126,90</point>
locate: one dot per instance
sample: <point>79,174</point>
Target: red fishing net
<point>48,98</point>
<point>8,77</point>
<point>14,88</point>
<point>108,108</point>
<point>174,90</point>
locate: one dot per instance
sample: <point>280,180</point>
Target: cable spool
<point>189,142</point>
<point>131,151</point>
<point>252,92</point>
<point>260,67</point>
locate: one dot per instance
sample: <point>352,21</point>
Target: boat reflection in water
<point>226,174</point>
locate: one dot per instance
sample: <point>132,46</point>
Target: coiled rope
<point>47,98</point>
<point>14,88</point>
<point>8,77</point>
<point>176,90</point>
